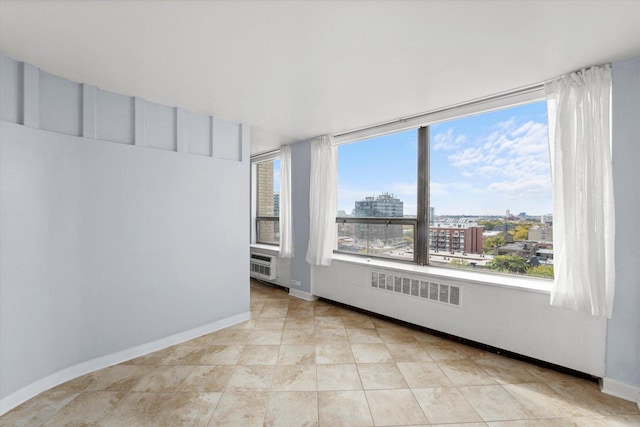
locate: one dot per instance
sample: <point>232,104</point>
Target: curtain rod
<point>507,94</point>
<point>477,101</point>
<point>264,154</point>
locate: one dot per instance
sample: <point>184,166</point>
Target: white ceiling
<point>295,70</point>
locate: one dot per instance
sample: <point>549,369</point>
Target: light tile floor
<point>299,363</point>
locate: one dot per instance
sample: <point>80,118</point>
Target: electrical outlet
<point>296,283</point>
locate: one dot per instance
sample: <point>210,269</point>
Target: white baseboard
<point>14,399</point>
<point>621,390</point>
<point>302,295</point>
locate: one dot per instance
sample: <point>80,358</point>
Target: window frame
<point>421,122</point>
<point>255,218</point>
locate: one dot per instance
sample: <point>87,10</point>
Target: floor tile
<point>425,374</point>
<point>37,410</point>
<point>297,355</point>
<point>294,409</point>
<point>188,409</point>
<point>207,379</point>
<point>295,378</point>
<point>380,376</point>
<point>507,371</point>
<point>306,363</point>
<point>246,409</point>
<point>265,337</point>
<point>251,378</point>
<point>119,377</point>
<point>408,352</point>
<point>544,402</point>
<point>338,377</point>
<point>259,355</point>
<point>371,353</point>
<point>221,355</point>
<point>394,407</point>
<point>465,372</point>
<point>363,336</point>
<point>588,396</point>
<point>343,408</point>
<point>89,407</point>
<point>333,352</point>
<point>296,336</point>
<point>445,405</point>
<point>493,403</point>
<point>329,322</point>
<point>163,378</point>
<point>136,408</point>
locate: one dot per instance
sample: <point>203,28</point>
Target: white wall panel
<point>197,134</point>
<point>114,117</point>
<point>60,104</point>
<point>10,90</point>
<point>160,127</point>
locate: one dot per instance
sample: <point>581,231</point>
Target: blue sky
<point>480,165</point>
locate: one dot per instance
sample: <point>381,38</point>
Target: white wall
<point>111,245</point>
<point>517,320</point>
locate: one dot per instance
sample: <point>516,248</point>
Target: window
<point>377,201</point>
<point>267,199</point>
<point>473,192</point>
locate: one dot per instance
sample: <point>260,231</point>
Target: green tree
<point>541,271</point>
<point>508,264</point>
<point>521,231</point>
<point>493,242</point>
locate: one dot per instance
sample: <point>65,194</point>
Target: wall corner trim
<point>619,389</point>
<point>22,395</point>
<point>302,295</point>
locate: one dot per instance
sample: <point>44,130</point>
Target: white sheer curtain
<point>322,201</point>
<point>286,236</point>
<point>583,209</point>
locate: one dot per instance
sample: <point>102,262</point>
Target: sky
<point>479,165</point>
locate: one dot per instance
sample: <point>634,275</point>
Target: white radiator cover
<point>263,266</point>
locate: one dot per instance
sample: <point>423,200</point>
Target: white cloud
<point>447,140</point>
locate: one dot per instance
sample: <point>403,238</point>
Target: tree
<point>541,271</point>
<point>521,232</point>
<point>508,264</point>
<point>493,242</point>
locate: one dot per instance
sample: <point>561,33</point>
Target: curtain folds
<point>286,228</point>
<point>583,205</point>
<point>322,201</point>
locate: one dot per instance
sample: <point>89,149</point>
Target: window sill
<point>273,250</point>
<point>530,284</point>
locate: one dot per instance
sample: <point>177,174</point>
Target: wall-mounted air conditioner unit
<point>263,266</point>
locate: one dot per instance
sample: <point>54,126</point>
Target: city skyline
<point>480,165</point>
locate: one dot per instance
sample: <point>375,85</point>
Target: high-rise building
<point>276,204</point>
<point>384,205</point>
<point>265,201</point>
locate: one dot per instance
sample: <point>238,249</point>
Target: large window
<point>267,199</point>
<point>473,192</point>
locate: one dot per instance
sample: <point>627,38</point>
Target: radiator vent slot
<point>263,266</point>
<point>444,293</point>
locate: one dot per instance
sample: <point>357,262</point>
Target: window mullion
<point>421,243</point>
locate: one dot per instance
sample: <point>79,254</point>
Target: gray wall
<point>623,330</point>
<point>300,179</point>
<point>122,222</point>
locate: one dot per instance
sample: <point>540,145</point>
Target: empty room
<point>319,213</point>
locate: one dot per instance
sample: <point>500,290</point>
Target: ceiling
<point>293,70</point>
